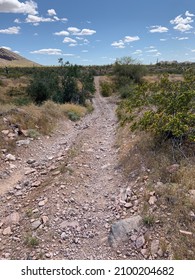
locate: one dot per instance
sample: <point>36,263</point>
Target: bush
<point>167,108</point>
<point>127,70</point>
<point>106,89</point>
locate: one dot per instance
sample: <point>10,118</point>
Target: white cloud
<point>62,33</point>
<point>69,40</point>
<point>15,6</point>
<point>10,30</point>
<point>163,40</point>
<point>73,45</point>
<point>152,51</point>
<point>183,27</point>
<point>181,23</point>
<point>35,20</point>
<point>17,20</point>
<point>86,32</point>
<point>188,14</point>
<point>48,52</point>
<point>85,51</point>
<point>68,54</point>
<point>119,45</point>
<point>78,32</point>
<point>179,19</point>
<point>158,29</point>
<point>51,12</point>
<point>129,39</point>
<point>182,38</point>
<point>73,30</point>
<point>138,52</point>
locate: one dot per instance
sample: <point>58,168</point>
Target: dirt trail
<point>66,200</point>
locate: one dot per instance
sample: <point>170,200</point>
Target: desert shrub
<point>165,108</point>
<point>73,111</point>
<point>127,70</point>
<point>106,88</point>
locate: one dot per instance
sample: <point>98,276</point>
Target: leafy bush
<point>127,70</point>
<point>165,108</point>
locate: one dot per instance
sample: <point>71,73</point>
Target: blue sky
<point>97,32</point>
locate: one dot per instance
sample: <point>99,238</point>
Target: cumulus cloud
<point>152,51</point>
<point>69,40</point>
<point>183,24</point>
<point>78,32</point>
<point>188,14</point>
<point>62,33</point>
<point>15,6</point>
<point>158,29</point>
<point>138,52</point>
<point>119,45</point>
<point>129,39</point>
<point>51,12</point>
<point>48,51</point>
<point>11,30</point>
<point>35,19</point>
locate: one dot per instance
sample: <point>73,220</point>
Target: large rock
<point>13,218</point>
<point>120,231</point>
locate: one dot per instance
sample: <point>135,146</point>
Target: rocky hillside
<point>9,58</point>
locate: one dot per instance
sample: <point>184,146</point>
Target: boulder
<point>121,230</point>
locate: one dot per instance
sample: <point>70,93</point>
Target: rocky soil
<point>64,196</point>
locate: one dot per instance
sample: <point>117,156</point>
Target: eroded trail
<point>66,200</point>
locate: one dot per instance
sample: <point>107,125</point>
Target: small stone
<point>152,200</point>
<point>56,173</point>
<point>64,236</point>
<point>31,161</point>
<point>30,171</point>
<point>154,247</point>
<point>44,219</point>
<point>5,132</point>
<point>43,202</point>
<point>36,184</point>
<point>173,168</point>
<point>23,142</point>
<point>48,255</point>
<point>128,205</point>
<point>10,157</point>
<point>140,241</point>
<point>36,224</point>
<point>7,231</point>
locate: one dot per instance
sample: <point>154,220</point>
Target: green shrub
<point>106,89</point>
<point>73,116</point>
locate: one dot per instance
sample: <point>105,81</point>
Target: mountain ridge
<point>11,59</point>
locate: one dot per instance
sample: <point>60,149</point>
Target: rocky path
<point>66,191</point>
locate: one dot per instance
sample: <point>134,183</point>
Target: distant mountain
<point>11,59</point>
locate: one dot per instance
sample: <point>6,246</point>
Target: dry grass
<point>156,78</point>
<point>174,208</point>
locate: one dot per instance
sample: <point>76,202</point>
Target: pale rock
<point>36,224</point>
<point>10,157</point>
<point>44,219</point>
<point>140,241</point>
<point>152,200</point>
<point>7,231</point>
<point>23,142</point>
<point>5,132</point>
<point>121,230</point>
<point>36,184</point>
<point>154,247</point>
<point>43,202</point>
